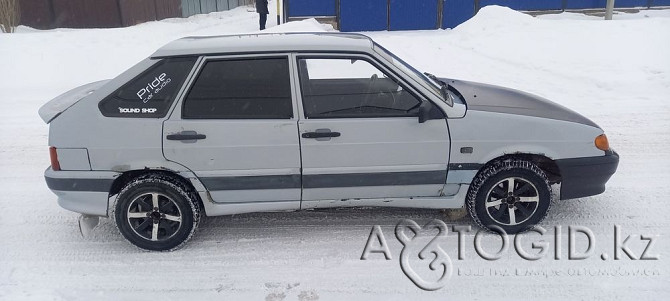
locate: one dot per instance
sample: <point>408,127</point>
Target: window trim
<point>365,57</point>
<point>200,65</point>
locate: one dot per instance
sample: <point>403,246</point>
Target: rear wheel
<point>512,194</point>
<point>156,213</point>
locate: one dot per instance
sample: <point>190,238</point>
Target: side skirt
<point>446,202</point>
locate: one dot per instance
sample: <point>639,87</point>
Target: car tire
<point>511,194</point>
<point>156,213</point>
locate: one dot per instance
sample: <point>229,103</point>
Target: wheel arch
<point>128,176</point>
<point>545,163</point>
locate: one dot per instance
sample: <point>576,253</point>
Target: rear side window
<point>241,89</point>
<point>151,94</point>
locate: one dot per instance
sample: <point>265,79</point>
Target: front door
<point>236,129</point>
<point>360,136</point>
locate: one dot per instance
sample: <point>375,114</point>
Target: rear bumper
<point>587,176</point>
<point>86,192</point>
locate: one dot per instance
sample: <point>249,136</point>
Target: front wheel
<point>156,213</point>
<point>512,194</point>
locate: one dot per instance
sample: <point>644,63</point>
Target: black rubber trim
<point>587,176</point>
<point>276,182</point>
<point>374,179</point>
<point>325,180</point>
<point>465,166</point>
<point>251,182</point>
<point>71,184</point>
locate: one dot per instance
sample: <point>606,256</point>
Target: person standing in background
<point>262,10</point>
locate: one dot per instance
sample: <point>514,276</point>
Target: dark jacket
<point>262,7</point>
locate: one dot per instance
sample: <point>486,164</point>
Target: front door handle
<point>186,136</point>
<point>321,134</point>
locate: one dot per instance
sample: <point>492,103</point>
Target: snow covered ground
<point>617,73</point>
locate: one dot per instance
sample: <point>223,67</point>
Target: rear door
<point>236,129</point>
<point>360,134</point>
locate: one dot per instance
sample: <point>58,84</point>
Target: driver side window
<point>352,88</point>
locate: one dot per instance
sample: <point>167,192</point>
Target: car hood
<point>50,110</point>
<point>490,98</point>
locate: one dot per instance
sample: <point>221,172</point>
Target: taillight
<point>53,155</point>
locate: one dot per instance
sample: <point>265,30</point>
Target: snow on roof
<point>266,43</point>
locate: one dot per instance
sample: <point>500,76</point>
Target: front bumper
<point>587,176</point>
<point>85,192</point>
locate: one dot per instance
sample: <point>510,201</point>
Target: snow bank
<point>583,64</point>
<point>618,15</point>
<point>493,17</point>
<point>308,25</point>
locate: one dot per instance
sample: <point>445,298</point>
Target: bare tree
<point>9,15</point>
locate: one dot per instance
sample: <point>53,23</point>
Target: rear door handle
<point>316,135</point>
<point>186,136</point>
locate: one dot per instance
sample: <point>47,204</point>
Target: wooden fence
<point>47,14</point>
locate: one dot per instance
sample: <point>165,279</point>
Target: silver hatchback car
<point>246,123</point>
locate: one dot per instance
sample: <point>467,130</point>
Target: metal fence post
<point>609,9</point>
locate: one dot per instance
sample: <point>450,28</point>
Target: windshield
<point>409,70</point>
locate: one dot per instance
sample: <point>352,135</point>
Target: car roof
<point>273,42</point>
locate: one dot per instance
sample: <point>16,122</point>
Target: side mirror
<point>424,111</point>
